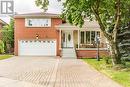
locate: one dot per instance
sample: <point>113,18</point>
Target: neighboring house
<point>2,23</point>
<point>45,34</point>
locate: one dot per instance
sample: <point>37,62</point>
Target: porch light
<point>37,36</point>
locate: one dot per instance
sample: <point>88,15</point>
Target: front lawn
<point>5,57</point>
<point>122,76</point>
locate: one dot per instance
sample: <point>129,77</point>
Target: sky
<point>25,6</point>
<point>28,6</point>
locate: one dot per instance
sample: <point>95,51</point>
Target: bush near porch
<point>122,76</point>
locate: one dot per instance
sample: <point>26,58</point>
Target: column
<point>78,38</point>
<point>60,40</point>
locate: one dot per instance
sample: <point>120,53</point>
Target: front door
<point>67,38</point>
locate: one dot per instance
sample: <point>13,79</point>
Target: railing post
<point>78,38</point>
<point>60,40</point>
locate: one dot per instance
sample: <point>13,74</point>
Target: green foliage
<point>110,14</point>
<point>119,67</point>
<point>126,58</point>
<point>8,36</point>
<point>75,11</point>
<point>123,37</point>
<point>1,47</point>
<point>8,33</point>
<point>43,4</point>
<point>107,59</point>
<point>5,57</point>
<point>121,76</point>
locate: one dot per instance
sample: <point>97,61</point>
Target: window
<point>63,37</point>
<point>93,34</point>
<point>37,22</point>
<point>30,22</point>
<point>69,37</point>
<point>82,37</point>
<point>88,37</point>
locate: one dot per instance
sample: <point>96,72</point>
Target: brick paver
<point>50,72</point>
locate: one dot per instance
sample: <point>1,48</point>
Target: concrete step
<point>69,53</point>
<point>69,57</point>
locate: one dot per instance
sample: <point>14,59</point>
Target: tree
<point>8,35</point>
<point>125,44</point>
<point>1,47</point>
<point>110,14</point>
<point>124,39</point>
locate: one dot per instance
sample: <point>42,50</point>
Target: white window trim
<point>90,39</point>
<point>90,36</point>
<point>26,23</point>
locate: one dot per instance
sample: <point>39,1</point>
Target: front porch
<point>82,40</point>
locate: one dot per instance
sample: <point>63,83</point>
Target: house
<point>46,34</point>
<point>2,23</point>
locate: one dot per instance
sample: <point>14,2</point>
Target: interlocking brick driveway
<point>50,72</point>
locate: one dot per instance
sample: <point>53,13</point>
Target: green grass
<point>122,76</point>
<point>5,57</point>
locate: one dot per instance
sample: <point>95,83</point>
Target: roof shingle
<point>39,14</point>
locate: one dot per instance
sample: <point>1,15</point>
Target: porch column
<point>78,38</point>
<point>60,40</point>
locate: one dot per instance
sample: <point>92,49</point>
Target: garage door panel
<point>37,48</point>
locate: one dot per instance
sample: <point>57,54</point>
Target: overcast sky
<point>25,6</point>
<point>28,6</point>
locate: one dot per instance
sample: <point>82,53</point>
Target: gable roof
<point>2,22</point>
<point>39,14</point>
<point>87,25</point>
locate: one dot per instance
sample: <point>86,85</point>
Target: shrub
<point>126,58</point>
<point>107,59</point>
<point>1,47</point>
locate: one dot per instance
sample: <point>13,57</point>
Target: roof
<point>2,22</point>
<point>39,14</point>
<point>87,25</point>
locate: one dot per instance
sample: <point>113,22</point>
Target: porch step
<point>69,53</point>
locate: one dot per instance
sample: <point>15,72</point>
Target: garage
<point>37,48</point>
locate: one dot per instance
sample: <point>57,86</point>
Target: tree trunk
<point>115,53</point>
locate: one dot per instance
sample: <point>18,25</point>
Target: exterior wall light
<point>37,36</point>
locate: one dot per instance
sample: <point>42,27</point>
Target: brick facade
<point>29,33</point>
<point>26,33</point>
<point>90,53</point>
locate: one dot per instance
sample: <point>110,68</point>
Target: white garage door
<point>37,47</point>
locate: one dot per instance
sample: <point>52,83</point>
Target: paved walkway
<point>50,72</point>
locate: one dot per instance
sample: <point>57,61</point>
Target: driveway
<point>50,72</point>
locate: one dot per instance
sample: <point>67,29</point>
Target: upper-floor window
<point>37,22</point>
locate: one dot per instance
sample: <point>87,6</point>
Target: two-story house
<point>46,34</point>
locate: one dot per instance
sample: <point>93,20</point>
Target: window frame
<point>38,20</point>
<point>90,37</point>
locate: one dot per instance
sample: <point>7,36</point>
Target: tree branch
<point>102,26</point>
<point>117,20</point>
